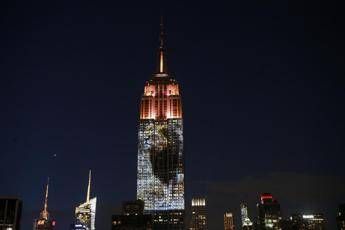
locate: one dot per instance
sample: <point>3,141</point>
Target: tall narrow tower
<point>85,213</point>
<point>160,175</point>
<point>44,222</point>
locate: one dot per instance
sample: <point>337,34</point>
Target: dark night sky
<point>263,96</point>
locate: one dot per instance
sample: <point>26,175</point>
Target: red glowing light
<point>266,196</point>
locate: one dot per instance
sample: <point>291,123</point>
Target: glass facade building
<point>160,172</point>
<point>85,213</point>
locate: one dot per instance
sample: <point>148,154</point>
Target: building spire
<point>44,213</point>
<point>162,62</point>
<point>88,188</point>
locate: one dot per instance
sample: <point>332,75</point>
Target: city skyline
<point>262,99</point>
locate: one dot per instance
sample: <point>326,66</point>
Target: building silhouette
<point>10,213</point>
<point>160,171</point>
<point>45,222</point>
<point>341,217</point>
<point>229,221</point>
<point>269,213</point>
<point>199,214</point>
<point>132,218</point>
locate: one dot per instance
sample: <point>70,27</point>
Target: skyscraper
<point>229,221</point>
<point>305,222</point>
<point>45,222</point>
<point>85,213</point>
<point>160,172</point>
<point>341,217</point>
<point>10,213</point>
<point>132,217</point>
<point>269,213</point>
<point>199,214</point>
<point>246,222</point>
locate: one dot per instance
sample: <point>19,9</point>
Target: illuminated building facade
<point>229,221</point>
<point>305,222</point>
<point>160,171</point>
<point>246,222</point>
<point>313,222</point>
<point>85,213</point>
<point>341,217</point>
<point>10,213</point>
<point>45,222</point>
<point>199,214</point>
<point>269,213</point>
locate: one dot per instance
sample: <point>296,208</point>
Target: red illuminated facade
<point>161,99</point>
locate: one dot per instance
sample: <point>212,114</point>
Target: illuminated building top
<point>88,188</point>
<point>199,214</point>
<point>45,222</point>
<point>266,197</point>
<point>198,202</point>
<point>269,212</point>
<point>161,99</point>
<point>45,214</point>
<point>162,67</point>
<point>86,212</point>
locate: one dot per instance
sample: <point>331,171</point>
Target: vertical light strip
<point>161,65</point>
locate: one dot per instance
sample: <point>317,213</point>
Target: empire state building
<point>160,175</point>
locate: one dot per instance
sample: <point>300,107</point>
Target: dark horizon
<point>262,89</point>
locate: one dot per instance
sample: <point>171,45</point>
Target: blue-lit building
<point>78,226</point>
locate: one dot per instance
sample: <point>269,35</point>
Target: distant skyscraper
<point>313,222</point>
<point>132,218</point>
<point>45,222</point>
<point>269,213</point>
<point>246,222</point>
<point>85,213</point>
<point>160,172</point>
<point>229,221</point>
<point>341,217</point>
<point>199,214</point>
<point>305,222</point>
<point>10,213</point>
